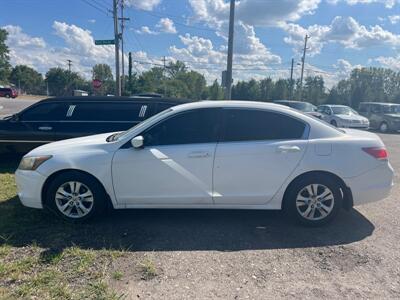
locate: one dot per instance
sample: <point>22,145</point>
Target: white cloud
<point>80,48</point>
<point>387,3</point>
<point>146,30</point>
<point>18,38</point>
<point>389,62</point>
<point>265,12</point>
<point>343,30</point>
<point>143,4</point>
<point>166,25</point>
<point>252,60</point>
<point>394,19</point>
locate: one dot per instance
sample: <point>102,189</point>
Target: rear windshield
<point>302,106</point>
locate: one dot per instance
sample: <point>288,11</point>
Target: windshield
<point>302,106</point>
<point>391,109</point>
<point>121,135</point>
<point>343,110</point>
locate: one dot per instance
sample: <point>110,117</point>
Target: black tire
<point>97,206</point>
<point>334,123</point>
<point>7,96</point>
<point>384,127</point>
<point>299,185</point>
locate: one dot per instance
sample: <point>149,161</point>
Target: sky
<point>344,34</point>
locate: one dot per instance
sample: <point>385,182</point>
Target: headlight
<point>31,163</point>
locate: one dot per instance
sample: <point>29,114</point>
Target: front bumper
<point>29,186</point>
<point>371,186</point>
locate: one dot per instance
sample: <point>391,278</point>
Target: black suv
<point>61,118</point>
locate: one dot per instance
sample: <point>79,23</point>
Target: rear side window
<point>45,112</point>
<point>106,111</point>
<point>191,127</point>
<point>363,108</point>
<point>164,106</point>
<point>256,125</point>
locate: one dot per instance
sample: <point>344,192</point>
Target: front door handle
<point>288,149</point>
<point>198,154</point>
<point>45,128</point>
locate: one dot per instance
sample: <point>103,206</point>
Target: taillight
<point>377,152</point>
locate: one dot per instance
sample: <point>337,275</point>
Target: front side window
<point>191,127</point>
<point>255,125</point>
<point>45,112</point>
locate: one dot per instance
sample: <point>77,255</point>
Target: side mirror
<point>14,118</point>
<point>137,142</point>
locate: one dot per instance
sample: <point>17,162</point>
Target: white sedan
<point>342,116</point>
<point>214,155</point>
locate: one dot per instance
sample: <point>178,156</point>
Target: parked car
<point>211,154</point>
<point>305,107</point>
<point>342,116</point>
<point>382,116</point>
<point>61,118</point>
<point>8,92</point>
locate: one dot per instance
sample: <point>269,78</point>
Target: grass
<point>38,257</point>
<point>149,270</point>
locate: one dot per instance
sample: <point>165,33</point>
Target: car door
<point>35,125</point>
<point>92,117</point>
<point>175,165</point>
<point>375,117</point>
<point>257,152</point>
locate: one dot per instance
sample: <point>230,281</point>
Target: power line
<point>96,7</point>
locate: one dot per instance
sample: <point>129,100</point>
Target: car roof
<point>379,103</point>
<point>233,104</point>
<point>335,105</point>
<point>115,98</point>
<point>289,101</point>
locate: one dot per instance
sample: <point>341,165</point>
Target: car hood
<point>80,144</point>
<point>351,117</point>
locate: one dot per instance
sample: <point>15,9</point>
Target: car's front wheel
<point>314,200</point>
<point>384,127</point>
<point>75,196</point>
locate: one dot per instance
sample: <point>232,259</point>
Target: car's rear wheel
<point>384,127</point>
<point>75,196</point>
<point>334,123</point>
<point>314,200</point>
<point>7,96</point>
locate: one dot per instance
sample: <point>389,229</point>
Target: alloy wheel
<point>74,199</point>
<point>315,202</point>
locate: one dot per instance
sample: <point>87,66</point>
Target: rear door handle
<point>198,154</point>
<point>288,149</point>
<point>45,128</point>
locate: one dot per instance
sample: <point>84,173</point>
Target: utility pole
<point>291,80</point>
<point>116,42</point>
<point>303,59</point>
<point>130,67</point>
<point>164,70</point>
<point>228,85</point>
<point>69,64</point>
<point>122,19</point>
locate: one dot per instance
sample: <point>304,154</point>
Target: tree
<point>103,72</point>
<point>27,79</point>
<point>215,91</point>
<point>62,82</point>
<point>4,57</point>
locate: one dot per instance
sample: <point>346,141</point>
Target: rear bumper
<point>371,186</point>
<point>29,186</point>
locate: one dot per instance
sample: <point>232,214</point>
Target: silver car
<point>342,116</point>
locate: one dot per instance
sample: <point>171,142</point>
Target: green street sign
<point>104,42</point>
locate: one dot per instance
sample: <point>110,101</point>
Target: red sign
<point>96,83</point>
